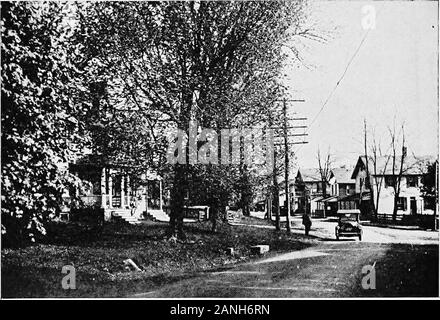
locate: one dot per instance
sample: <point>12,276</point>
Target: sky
<point>392,79</point>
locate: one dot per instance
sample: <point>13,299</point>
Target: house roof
<point>342,175</point>
<point>384,165</point>
<point>98,161</point>
<point>309,174</point>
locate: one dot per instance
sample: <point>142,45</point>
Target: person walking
<point>307,222</point>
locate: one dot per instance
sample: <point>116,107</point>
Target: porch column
<point>122,191</point>
<point>128,191</point>
<point>110,188</point>
<point>160,195</point>
<point>103,189</point>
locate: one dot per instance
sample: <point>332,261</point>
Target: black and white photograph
<point>215,150</point>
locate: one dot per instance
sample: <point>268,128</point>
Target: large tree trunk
<point>395,208</point>
<point>213,216</point>
<point>375,211</point>
<point>245,206</point>
<point>180,187</point>
<point>177,202</point>
<point>276,204</point>
<point>245,192</point>
<point>375,204</point>
<point>324,195</point>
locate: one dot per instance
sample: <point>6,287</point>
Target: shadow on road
<point>335,240</point>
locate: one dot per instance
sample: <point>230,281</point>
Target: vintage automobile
<point>348,224</point>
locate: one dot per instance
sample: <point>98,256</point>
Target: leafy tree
<point>40,128</point>
<point>397,165</point>
<point>215,62</point>
<point>374,158</point>
<point>430,186</point>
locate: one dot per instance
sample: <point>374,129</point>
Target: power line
<point>341,78</point>
<point>337,83</point>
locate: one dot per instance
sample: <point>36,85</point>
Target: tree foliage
<point>119,77</point>
<point>215,62</point>
<point>39,115</point>
<point>430,185</point>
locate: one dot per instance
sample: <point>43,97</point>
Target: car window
<point>348,218</point>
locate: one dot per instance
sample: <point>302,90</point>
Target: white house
<point>410,201</point>
<point>112,188</point>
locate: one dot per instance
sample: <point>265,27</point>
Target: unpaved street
<point>325,230</point>
<point>405,264</point>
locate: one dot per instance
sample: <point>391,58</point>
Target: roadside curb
<point>368,224</point>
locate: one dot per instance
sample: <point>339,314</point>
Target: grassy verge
<point>403,271</point>
<point>35,271</point>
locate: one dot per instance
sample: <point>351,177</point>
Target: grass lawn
<point>35,271</point>
<point>406,271</point>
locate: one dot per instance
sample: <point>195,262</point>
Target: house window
<point>412,181</point>
<point>401,203</point>
<point>389,181</point>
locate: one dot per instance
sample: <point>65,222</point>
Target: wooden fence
<point>421,220</point>
<point>200,213</point>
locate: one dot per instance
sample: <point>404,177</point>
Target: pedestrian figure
<point>307,222</point>
<point>133,205</point>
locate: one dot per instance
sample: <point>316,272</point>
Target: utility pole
<point>274,199</point>
<point>285,127</point>
<point>276,193</point>
<point>286,164</point>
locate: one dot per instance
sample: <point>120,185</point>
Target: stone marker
<point>260,249</point>
<point>130,262</point>
<point>230,251</point>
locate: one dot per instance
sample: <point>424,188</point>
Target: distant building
<point>309,191</point>
<point>410,201</point>
<point>341,182</point>
<point>342,186</point>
